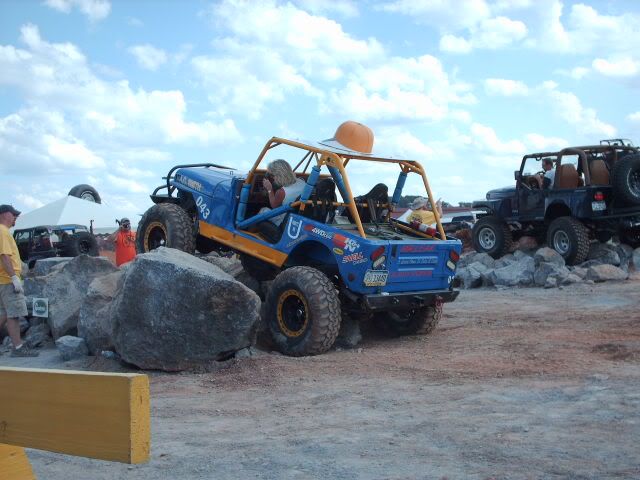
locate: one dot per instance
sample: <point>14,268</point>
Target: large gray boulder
<point>517,274</point>
<point>604,272</point>
<point>508,259</point>
<point>174,312</point>
<point>44,265</point>
<point>66,286</point>
<point>635,259</point>
<point>604,253</point>
<point>95,323</point>
<point>625,252</point>
<point>550,274</point>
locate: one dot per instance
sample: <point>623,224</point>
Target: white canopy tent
<point>72,210</point>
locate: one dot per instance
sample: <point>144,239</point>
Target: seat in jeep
<point>599,172</point>
<point>567,177</point>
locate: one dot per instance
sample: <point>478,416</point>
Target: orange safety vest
<point>125,247</point>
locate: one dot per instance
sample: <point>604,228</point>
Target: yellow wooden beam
<point>88,414</point>
<point>14,464</point>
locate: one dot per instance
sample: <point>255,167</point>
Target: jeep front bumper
<point>402,301</point>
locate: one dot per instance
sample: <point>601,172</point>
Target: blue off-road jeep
<point>328,258</point>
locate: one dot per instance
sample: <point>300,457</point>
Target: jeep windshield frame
<point>336,161</point>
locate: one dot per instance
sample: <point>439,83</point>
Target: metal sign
<point>40,307</point>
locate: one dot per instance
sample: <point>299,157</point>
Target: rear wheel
<point>417,321</point>
<point>570,238</point>
<point>165,225</point>
<point>303,312</point>
<point>81,243</point>
<point>492,236</point>
<point>631,237</point>
<point>626,179</point>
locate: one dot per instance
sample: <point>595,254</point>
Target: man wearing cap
<point>125,241</point>
<point>13,304</point>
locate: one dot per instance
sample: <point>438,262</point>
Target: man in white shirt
<point>546,180</point>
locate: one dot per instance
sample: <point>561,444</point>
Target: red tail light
<point>454,256</point>
<point>598,196</point>
<point>376,253</point>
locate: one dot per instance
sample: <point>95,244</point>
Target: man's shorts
<point>12,304</point>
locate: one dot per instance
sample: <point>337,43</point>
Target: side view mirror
<point>516,175</point>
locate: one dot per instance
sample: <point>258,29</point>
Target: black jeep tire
<point>81,243</point>
<point>492,236</point>
<point>630,237</point>
<point>417,321</point>
<point>303,312</point>
<point>258,269</point>
<point>626,179</point>
<point>570,238</point>
<point>165,225</point>
<point>85,192</point>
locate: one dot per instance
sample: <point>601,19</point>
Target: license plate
<point>376,278</point>
<point>598,206</point>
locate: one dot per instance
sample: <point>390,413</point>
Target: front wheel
<point>165,225</point>
<point>417,321</point>
<point>303,312</point>
<point>81,243</point>
<point>492,236</point>
<point>570,238</point>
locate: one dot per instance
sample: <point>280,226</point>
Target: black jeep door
<point>530,196</point>
<point>23,241</point>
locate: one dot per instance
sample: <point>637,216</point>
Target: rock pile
<point>165,310</point>
<point>544,267</point>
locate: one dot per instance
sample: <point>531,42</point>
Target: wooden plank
<point>88,414</point>
<point>14,464</point>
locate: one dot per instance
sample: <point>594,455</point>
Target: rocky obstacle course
<point>544,267</point>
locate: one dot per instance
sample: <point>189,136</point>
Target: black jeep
<point>54,240</point>
<point>593,192</point>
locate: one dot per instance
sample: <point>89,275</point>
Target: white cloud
<point>345,8</point>
<point>486,139</point>
<point>504,87</point>
<point>539,143</point>
<point>148,56</point>
<point>400,89</point>
<point>617,67</point>
<point>453,44</point>
<point>634,117</point>
<point>67,153</point>
<point>29,201</point>
<point>95,10</point>
<point>440,14</point>
<point>127,184</point>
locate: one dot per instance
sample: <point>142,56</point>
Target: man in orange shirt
<point>125,241</point>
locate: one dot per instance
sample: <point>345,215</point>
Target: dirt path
<point>525,383</point>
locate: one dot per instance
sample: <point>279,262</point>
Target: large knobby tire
<point>417,321</point>
<point>570,238</point>
<point>630,237</point>
<point>492,236</point>
<point>258,269</point>
<point>303,312</point>
<point>81,243</point>
<point>626,179</point>
<point>165,225</point>
<point>85,192</point>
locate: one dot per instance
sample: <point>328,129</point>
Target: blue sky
<point>114,93</point>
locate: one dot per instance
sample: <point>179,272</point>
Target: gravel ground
<point>521,383</point>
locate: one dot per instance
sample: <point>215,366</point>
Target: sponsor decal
<point>348,244</point>
<point>294,228</point>
<point>428,260</point>
<point>338,251</point>
<point>354,258</point>
<point>412,273</point>
<point>417,248</point>
<point>318,231</point>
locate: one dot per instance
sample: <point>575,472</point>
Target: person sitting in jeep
<point>546,179</point>
<point>281,185</point>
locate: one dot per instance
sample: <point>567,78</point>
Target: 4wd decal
<point>294,227</point>
<point>354,258</point>
<point>318,231</point>
<point>345,243</point>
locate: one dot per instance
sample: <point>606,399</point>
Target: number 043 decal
<point>202,206</point>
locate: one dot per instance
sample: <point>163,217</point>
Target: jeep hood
<point>503,192</point>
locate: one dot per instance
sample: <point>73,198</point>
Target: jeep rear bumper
<point>400,301</point>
